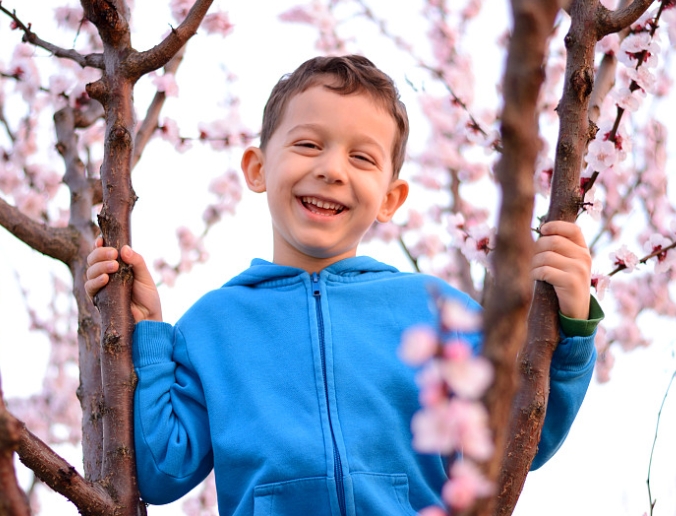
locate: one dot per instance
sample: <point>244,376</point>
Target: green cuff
<point>580,328</point>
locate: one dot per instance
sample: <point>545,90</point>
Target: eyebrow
<point>319,128</point>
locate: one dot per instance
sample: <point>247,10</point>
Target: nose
<point>331,168</point>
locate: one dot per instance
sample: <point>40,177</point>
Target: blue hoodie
<point>288,384</point>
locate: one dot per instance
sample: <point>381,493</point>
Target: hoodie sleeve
<point>171,430</point>
<point>570,373</point>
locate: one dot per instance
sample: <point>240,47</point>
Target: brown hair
<point>354,74</point>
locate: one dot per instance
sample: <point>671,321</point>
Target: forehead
<point>361,111</point>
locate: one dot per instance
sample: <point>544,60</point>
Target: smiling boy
<point>286,380</point>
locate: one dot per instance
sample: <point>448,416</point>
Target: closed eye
<point>307,145</point>
<point>363,157</point>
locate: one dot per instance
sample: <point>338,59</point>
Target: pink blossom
<point>601,154</point>
<point>456,316</point>
<point>623,257</point>
<point>627,99</point>
<point>428,245</point>
<point>386,232</point>
<point>169,130</point>
<point>468,378</point>
<point>432,511</point>
<point>217,23</point>
<point>600,283</point>
<point>479,242</point>
<point>465,486</point>
<point>70,17</point>
<point>165,83</point>
<point>643,77</point>
<point>610,44</point>
<point>180,8</point>
<point>298,14</point>
<point>418,345</point>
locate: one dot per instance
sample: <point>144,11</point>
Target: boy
<point>286,380</point>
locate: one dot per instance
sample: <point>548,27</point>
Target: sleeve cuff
<point>581,328</point>
<point>153,343</point>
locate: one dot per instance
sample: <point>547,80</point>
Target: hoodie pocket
<point>376,493</point>
<point>306,496</point>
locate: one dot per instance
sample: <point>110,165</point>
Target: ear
<point>395,197</point>
<point>252,166</point>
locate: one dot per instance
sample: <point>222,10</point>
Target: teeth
<point>322,204</point>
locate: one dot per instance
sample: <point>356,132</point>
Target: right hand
<point>102,261</point>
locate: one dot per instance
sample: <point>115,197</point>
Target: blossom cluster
<point>452,420</point>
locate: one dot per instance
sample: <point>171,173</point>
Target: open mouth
<point>321,207</point>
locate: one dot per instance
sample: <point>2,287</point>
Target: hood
<point>262,271</point>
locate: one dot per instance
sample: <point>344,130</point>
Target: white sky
<point>601,469</point>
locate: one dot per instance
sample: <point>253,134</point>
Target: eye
<point>306,145</point>
<point>365,158</point>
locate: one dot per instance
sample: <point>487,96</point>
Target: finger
<point>568,230</point>
<point>98,242</point>
<point>101,254</point>
<point>562,246</point>
<point>102,268</point>
<point>93,285</point>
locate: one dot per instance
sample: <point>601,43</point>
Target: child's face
<point>327,170</point>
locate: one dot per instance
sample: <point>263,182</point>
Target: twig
<point>645,259</point>
<point>652,451</point>
<point>91,60</point>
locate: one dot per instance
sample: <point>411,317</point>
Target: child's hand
<point>562,259</point>
<point>145,300</point>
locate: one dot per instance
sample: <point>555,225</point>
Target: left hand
<point>562,259</point>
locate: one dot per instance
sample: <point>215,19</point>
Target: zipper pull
<point>315,285</point>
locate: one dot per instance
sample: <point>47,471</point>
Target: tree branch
<point>149,123</point>
<point>58,474</point>
<point>511,288</point>
<point>58,243</point>
<point>614,21</point>
<point>13,501</point>
<point>140,63</point>
<point>91,60</point>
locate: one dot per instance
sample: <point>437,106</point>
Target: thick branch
<point>91,60</point>
<point>150,121</point>
<point>13,501</point>
<point>614,21</point>
<point>529,408</point>
<point>58,243</point>
<point>110,18</point>
<point>53,470</point>
<point>141,63</point>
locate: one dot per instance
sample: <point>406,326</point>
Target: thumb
<point>141,272</point>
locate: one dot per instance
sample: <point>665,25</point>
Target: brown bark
<point>13,501</point>
<point>58,243</point>
<point>510,294</point>
<point>589,22</point>
<point>114,91</point>
<point>90,391</point>
<point>90,498</point>
<point>123,66</point>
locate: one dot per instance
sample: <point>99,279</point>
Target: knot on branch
<point>119,136</point>
<point>582,82</point>
<point>102,13</point>
<point>67,475</point>
<point>111,342</point>
<point>592,131</point>
<point>97,90</point>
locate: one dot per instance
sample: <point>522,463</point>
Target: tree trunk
<point>510,291</point>
<point>589,22</point>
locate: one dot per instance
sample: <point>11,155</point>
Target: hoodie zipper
<point>337,465</point>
